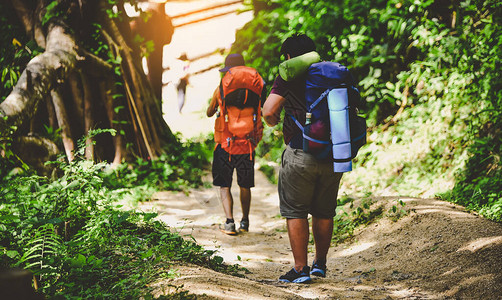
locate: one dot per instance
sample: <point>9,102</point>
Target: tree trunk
<point>88,89</point>
<point>88,117</point>
<point>40,76</point>
<point>63,123</point>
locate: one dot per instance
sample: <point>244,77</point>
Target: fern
<point>41,250</point>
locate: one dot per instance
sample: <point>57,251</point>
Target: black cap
<point>233,60</point>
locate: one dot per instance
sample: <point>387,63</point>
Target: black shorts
<point>223,168</point>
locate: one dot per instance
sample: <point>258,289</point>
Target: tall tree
<point>88,76</point>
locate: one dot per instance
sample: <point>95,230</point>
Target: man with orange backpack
<point>238,130</point>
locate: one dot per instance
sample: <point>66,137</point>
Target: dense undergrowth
<point>430,74</point>
<point>77,236</point>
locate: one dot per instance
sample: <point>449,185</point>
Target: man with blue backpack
<point>321,139</point>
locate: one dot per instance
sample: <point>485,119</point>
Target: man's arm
<point>272,109</point>
<point>213,105</point>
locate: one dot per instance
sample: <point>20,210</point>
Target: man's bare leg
<point>322,229</point>
<point>227,201</point>
<point>245,196</point>
<point>298,232</point>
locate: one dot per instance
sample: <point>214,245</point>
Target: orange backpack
<point>238,127</point>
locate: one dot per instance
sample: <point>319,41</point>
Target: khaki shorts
<point>307,186</point>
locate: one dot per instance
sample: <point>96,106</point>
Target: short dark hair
<point>297,44</point>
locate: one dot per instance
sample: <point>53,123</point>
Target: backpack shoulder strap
<point>221,101</point>
<point>322,96</point>
<point>221,90</point>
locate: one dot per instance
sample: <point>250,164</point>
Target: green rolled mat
<point>296,66</point>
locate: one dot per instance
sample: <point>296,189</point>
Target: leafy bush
<point>183,167</point>
<point>78,239</point>
<point>478,187</point>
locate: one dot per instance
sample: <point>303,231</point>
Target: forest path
<point>438,251</point>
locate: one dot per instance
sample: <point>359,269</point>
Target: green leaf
<point>79,261</point>
<point>147,254</point>
<point>10,218</point>
<point>12,253</point>
<point>218,259</point>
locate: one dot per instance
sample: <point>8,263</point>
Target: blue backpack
<point>333,130</point>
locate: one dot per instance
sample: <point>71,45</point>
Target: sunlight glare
<point>481,243</point>
<point>356,249</point>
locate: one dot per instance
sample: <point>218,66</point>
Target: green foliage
<point>271,146</point>
<point>269,151</point>
<point>183,167</point>
<point>429,73</point>
<point>15,52</point>
<point>478,187</point>
<point>350,216</point>
<point>9,162</point>
<point>78,239</point>
<point>41,251</point>
<point>397,211</point>
<point>52,11</point>
<point>269,172</point>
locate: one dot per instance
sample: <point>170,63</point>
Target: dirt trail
<point>438,251</point>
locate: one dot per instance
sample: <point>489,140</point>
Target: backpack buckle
<point>251,140</point>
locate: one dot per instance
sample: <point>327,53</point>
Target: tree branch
<point>106,90</point>
<point>88,117</point>
<point>135,90</point>
<point>94,65</point>
<point>41,74</point>
<point>38,32</point>
<point>63,122</point>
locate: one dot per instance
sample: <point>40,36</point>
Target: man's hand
<point>272,109</point>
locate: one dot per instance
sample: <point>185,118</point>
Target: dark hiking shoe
<point>318,270</point>
<point>228,228</point>
<point>244,225</point>
<point>297,277</point>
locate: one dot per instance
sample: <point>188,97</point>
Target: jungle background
<point>428,72</point>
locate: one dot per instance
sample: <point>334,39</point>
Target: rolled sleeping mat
<point>296,66</point>
<point>338,104</point>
